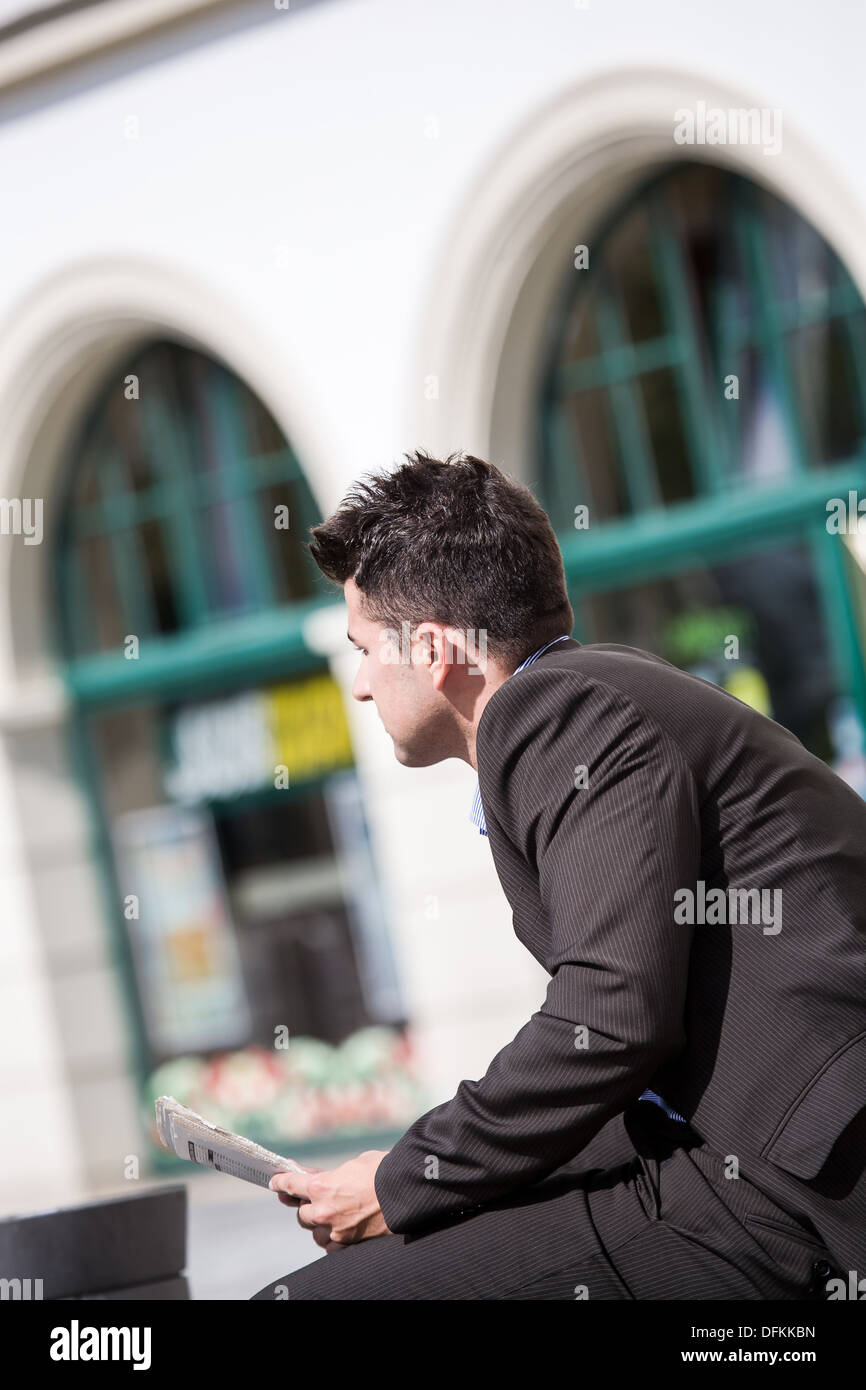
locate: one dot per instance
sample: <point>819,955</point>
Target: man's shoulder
<point>564,672</point>
<point>598,658</point>
<point>614,691</point>
<point>571,685</point>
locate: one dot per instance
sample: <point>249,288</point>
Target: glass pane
<point>725,294</point>
<point>589,416</point>
<point>803,266</point>
<point>581,335</point>
<point>159,575</point>
<point>827,391</point>
<point>299,963</point>
<point>181,458</point>
<point>255,915</point>
<point>769,600</point>
<point>663,406</point>
<point>121,426</point>
<point>228,580</point>
<point>126,744</point>
<point>759,444</point>
<point>86,486</point>
<point>631,269</point>
<point>756,308</point>
<point>290,565</point>
<point>103,624</point>
<point>206,447</point>
<point>262,433</point>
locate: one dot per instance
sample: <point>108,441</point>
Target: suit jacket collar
<point>564,643</point>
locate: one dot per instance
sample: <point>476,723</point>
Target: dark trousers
<point>646,1211</point>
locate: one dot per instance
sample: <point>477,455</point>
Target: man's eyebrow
<point>351,638</point>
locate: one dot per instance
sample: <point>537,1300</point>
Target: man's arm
<point>609,858</point>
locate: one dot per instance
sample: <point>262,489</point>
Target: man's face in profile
<point>397,677</point>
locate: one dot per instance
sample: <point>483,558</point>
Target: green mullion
<point>770,336</point>
<point>279,467</point>
<point>243,502</point>
<point>567,473</point>
<point>729,365</point>
<point>237,650</point>
<point>627,410</point>
<point>701,422</point>
<point>231,481</point>
<point>837,303</point>
<point>127,557</point>
<point>235,480</point>
<point>818,308</point>
<point>855,331</point>
<point>170,458</point>
<point>249,475</point>
<point>76,597</point>
<point>123,511</point>
<point>829,554</point>
<point>223,484</point>
<point>619,364</point>
<point>649,544</point>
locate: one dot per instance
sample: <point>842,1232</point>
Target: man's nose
<point>361,690</point>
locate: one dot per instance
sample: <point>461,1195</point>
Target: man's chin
<point>413,757</point>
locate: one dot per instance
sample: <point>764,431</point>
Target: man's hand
<point>338,1205</point>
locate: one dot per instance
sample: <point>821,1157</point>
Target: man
<point>685,1114</point>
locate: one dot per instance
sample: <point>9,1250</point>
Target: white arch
<point>545,191</point>
<point>56,346</point>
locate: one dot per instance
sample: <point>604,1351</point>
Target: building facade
<point>251,253</point>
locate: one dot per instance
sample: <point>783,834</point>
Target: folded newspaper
<point>196,1139</point>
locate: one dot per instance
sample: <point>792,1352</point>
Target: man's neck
<point>493,681</point>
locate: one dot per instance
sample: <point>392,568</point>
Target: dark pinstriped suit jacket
<point>757,1037</point>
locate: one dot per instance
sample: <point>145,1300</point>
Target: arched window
<point>215,750</point>
<point>185,505</point>
<point>703,400</point>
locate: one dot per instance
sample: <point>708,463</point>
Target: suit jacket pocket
<point>807,1133</point>
<point>793,1251</point>
<point>782,1231</point>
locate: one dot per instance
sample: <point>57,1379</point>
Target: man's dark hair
<point>452,541</point>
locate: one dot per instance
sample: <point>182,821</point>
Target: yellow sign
<point>308,726</point>
<point>277,736</point>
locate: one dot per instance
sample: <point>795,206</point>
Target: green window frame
<point>164,489</point>
<point>209,445</point>
<point>720,512</point>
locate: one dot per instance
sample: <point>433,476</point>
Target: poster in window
<point>181,930</point>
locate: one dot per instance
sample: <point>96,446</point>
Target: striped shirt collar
<point>476,814</point>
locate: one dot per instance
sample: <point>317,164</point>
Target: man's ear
<point>425,648</point>
<point>433,650</point>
